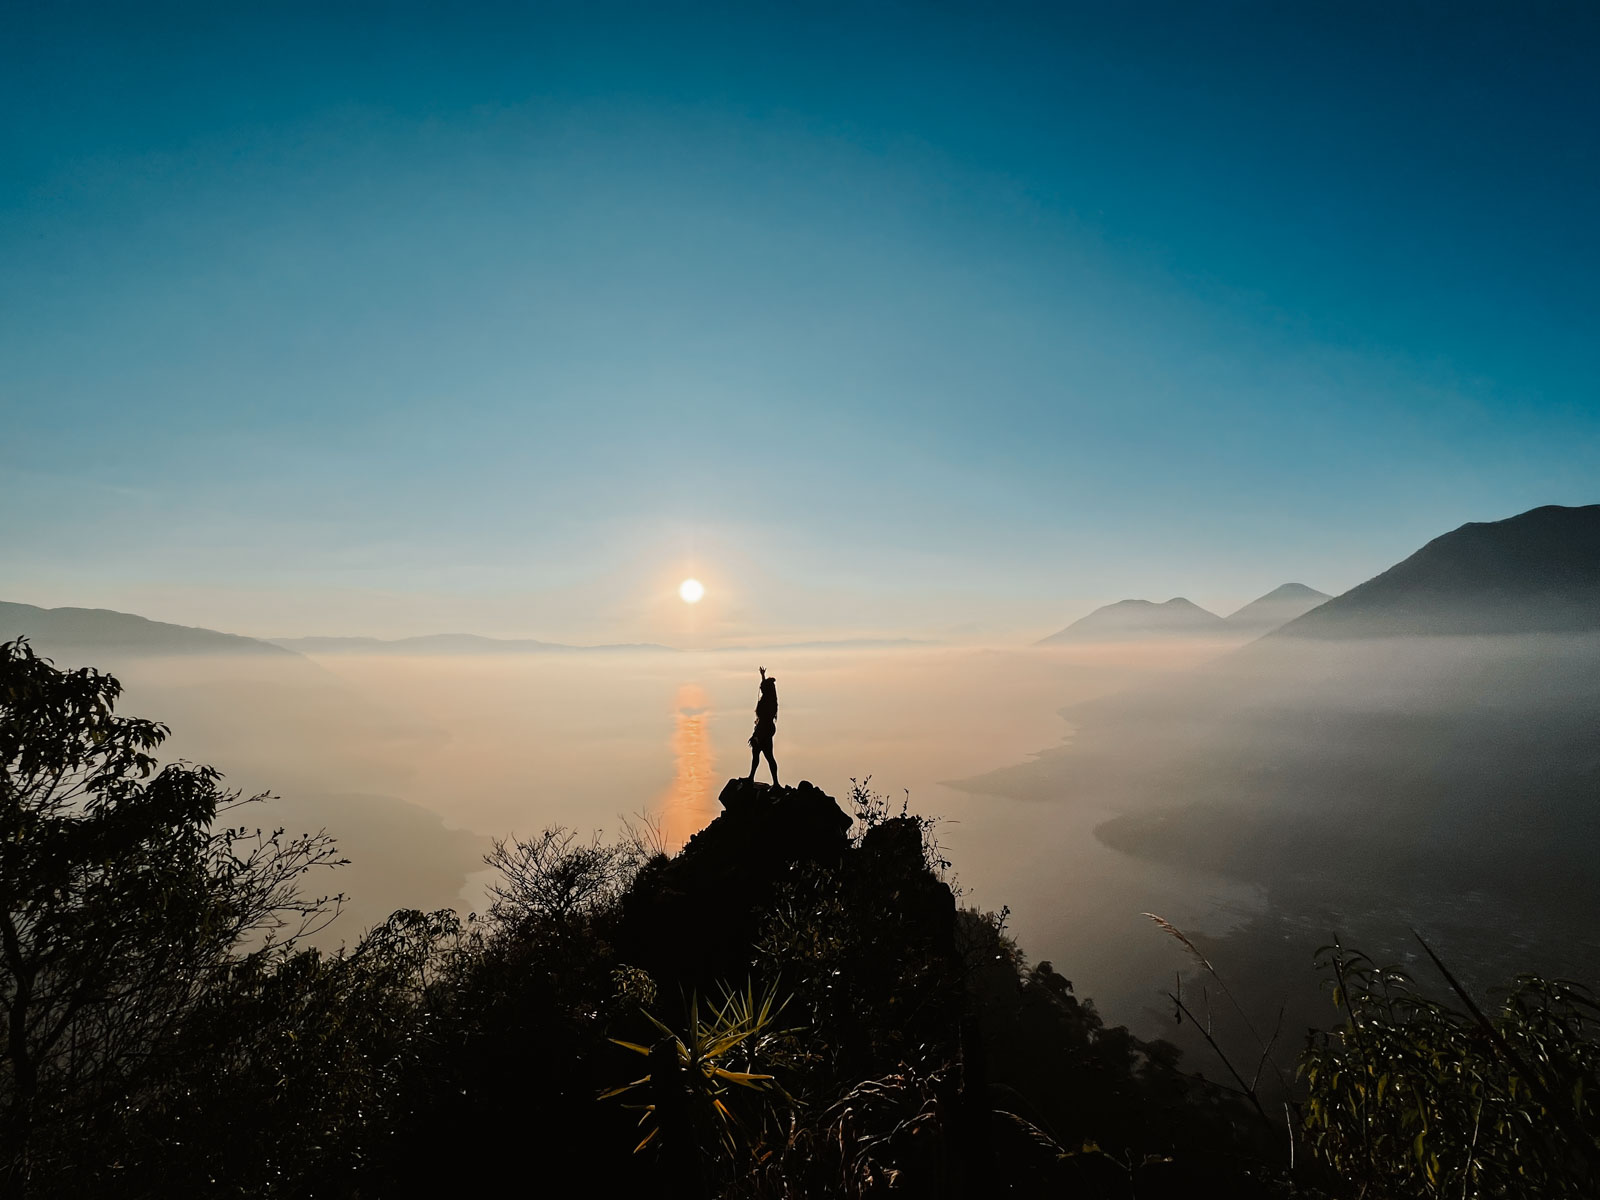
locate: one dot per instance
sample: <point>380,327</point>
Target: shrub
<point>1412,1097</point>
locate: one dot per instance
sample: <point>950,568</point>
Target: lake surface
<point>415,762</point>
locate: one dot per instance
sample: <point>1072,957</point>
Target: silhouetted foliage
<point>121,908</point>
<point>554,879</point>
<point>1412,1097</point>
<point>711,1103</point>
<point>166,1032</point>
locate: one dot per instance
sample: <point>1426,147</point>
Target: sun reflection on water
<point>690,802</point>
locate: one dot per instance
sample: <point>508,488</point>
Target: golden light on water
<point>691,590</point>
<point>690,802</point>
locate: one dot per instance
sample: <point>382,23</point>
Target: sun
<point>691,590</point>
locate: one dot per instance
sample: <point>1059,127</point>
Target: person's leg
<point>755,758</point>
<point>773,764</point>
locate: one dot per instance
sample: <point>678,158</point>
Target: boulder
<point>692,919</point>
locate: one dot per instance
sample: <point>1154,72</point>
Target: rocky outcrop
<point>753,809</point>
<point>693,918</point>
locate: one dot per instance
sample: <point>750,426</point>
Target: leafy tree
<point>121,907</point>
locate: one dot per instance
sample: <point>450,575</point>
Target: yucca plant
<point>685,1102</point>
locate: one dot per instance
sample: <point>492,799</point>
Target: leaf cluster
<point>1411,1096</point>
<point>689,1092</point>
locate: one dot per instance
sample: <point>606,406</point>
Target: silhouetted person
<point>766,726</point>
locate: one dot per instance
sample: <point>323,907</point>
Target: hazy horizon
<point>970,633</point>
<point>415,763</point>
<point>1052,771</point>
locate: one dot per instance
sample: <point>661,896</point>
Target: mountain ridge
<point>448,644</point>
<point>1437,727</point>
<point>1277,608</point>
<point>1536,572</point>
<point>107,628</point>
<point>1181,617</point>
<point>1177,617</point>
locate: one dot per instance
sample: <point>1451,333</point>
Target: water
<point>415,763</point>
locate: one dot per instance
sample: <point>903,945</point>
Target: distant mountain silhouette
<point>1430,734</point>
<point>76,630</point>
<point>862,643</point>
<point>1128,620</point>
<point>444,644</point>
<point>471,643</point>
<point>1277,608</point>
<point>1534,573</point>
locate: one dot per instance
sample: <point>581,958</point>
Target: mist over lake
<point>1263,796</point>
<point>415,762</point>
<point>1416,758</point>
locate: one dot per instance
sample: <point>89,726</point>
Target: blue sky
<point>879,318</point>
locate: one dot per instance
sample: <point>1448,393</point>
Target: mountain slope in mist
<point>1129,620</point>
<point>1277,608</point>
<point>1133,620</point>
<point>441,643</point>
<point>1433,731</point>
<point>1538,572</point>
<point>269,718</point>
<point>79,630</point>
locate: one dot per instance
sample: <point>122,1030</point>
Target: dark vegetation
<point>793,1006</point>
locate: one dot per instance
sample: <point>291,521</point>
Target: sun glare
<point>691,590</point>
